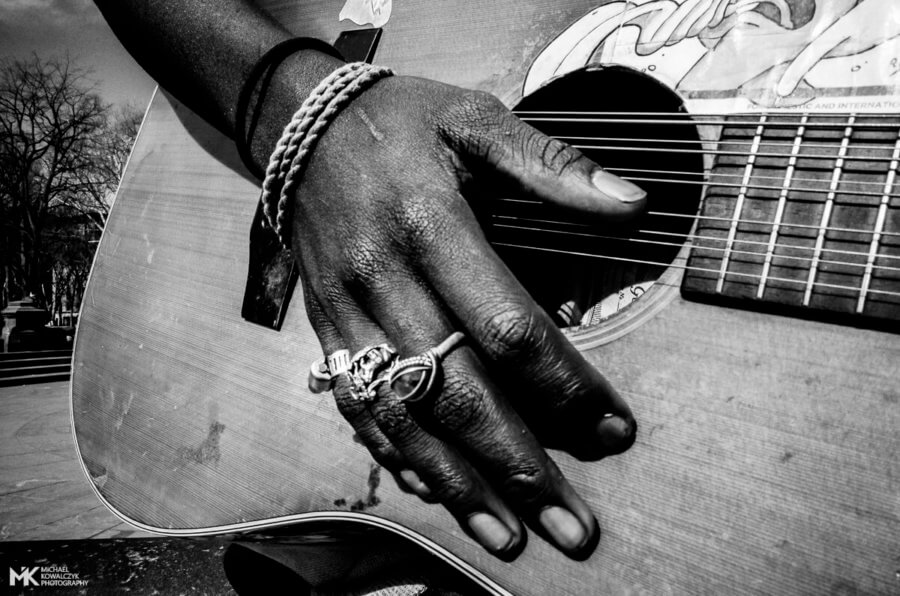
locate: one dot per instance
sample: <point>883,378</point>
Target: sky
<point>54,27</point>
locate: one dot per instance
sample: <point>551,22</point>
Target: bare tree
<point>61,155</point>
<point>103,160</point>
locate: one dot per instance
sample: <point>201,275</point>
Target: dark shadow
<point>213,142</point>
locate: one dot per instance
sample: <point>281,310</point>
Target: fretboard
<point>802,212</point>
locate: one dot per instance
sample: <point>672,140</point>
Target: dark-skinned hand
<point>391,252</point>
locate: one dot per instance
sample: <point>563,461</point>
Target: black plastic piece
<point>273,273</point>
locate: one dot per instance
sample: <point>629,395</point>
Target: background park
<point>71,102</point>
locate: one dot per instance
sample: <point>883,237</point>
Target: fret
<point>779,210</point>
<point>879,228</point>
<point>739,203</point>
<point>829,206</point>
<point>827,248</point>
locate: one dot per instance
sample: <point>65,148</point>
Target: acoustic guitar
<point>749,317</point>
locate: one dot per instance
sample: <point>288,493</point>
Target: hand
<point>390,251</point>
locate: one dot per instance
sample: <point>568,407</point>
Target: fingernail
<point>616,432</point>
<point>490,531</point>
<point>564,527</point>
<point>619,189</point>
<point>415,483</point>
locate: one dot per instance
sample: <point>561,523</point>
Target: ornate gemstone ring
<point>415,378</point>
<point>366,368</point>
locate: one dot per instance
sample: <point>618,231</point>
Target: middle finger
<point>469,412</point>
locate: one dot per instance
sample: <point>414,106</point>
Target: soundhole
<point>589,273</point>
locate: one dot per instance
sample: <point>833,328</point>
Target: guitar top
<point>749,318</point>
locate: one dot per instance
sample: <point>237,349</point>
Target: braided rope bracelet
<point>260,77</point>
<point>299,138</point>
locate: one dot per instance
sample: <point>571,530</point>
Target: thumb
<point>544,168</point>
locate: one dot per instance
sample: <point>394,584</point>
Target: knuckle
<point>465,406</point>
<point>467,117</point>
<point>530,487</point>
<point>365,270</point>
<point>386,454</point>
<point>556,157</point>
<point>415,220</point>
<point>510,331</point>
<point>358,415</point>
<point>454,490</point>
<point>394,421</point>
<point>331,291</point>
<point>361,263</point>
<point>350,408</point>
<point>475,108</point>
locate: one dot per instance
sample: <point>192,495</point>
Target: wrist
<point>300,136</point>
<point>292,81</point>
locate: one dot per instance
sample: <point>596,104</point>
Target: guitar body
<point>768,455</point>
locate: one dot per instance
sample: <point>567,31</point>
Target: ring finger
<point>435,464</point>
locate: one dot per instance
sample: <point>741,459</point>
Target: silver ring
<point>366,368</point>
<point>323,371</point>
<point>414,378</point>
<point>339,362</point>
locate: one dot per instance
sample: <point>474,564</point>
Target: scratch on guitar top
<point>208,450</point>
<point>123,410</point>
<point>371,500</point>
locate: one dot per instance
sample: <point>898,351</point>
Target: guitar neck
<point>798,214</point>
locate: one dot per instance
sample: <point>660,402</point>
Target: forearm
<point>202,51</point>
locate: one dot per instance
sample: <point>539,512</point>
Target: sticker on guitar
<point>738,55</point>
<point>367,12</point>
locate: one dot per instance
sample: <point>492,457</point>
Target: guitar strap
<point>273,273</point>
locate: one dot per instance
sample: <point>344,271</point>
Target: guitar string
<point>734,220</point>
<point>845,116</point>
<point>718,152</point>
<point>710,122</point>
<point>754,176</point>
<point>789,146</point>
<point>700,247</point>
<point>820,191</point>
<point>754,153</point>
<point>697,237</point>
<point>775,245</point>
<point>854,289</point>
<point>841,122</point>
